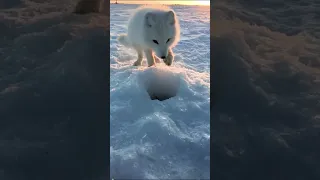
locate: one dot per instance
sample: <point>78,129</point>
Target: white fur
<point>150,23</point>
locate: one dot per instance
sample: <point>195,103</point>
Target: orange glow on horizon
<point>186,2</point>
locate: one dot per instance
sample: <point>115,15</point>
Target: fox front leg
<point>149,56</point>
<point>169,59</point>
<point>139,60</point>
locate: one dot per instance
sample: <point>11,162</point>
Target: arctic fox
<point>154,30</point>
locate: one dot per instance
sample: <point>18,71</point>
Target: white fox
<point>154,30</point>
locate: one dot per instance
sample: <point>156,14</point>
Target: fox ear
<point>150,19</point>
<point>171,17</point>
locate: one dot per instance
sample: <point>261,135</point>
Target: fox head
<point>162,31</point>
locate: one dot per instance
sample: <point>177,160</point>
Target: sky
<point>186,2</point>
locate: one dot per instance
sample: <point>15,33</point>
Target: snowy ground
<point>161,139</point>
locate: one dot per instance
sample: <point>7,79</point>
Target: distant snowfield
<point>161,139</point>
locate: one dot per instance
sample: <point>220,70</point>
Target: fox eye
<point>155,41</point>
<point>168,40</point>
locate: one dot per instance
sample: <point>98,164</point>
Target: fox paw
<point>168,61</point>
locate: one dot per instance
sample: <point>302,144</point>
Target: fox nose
<point>163,57</point>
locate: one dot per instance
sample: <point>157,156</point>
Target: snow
<point>167,139</point>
